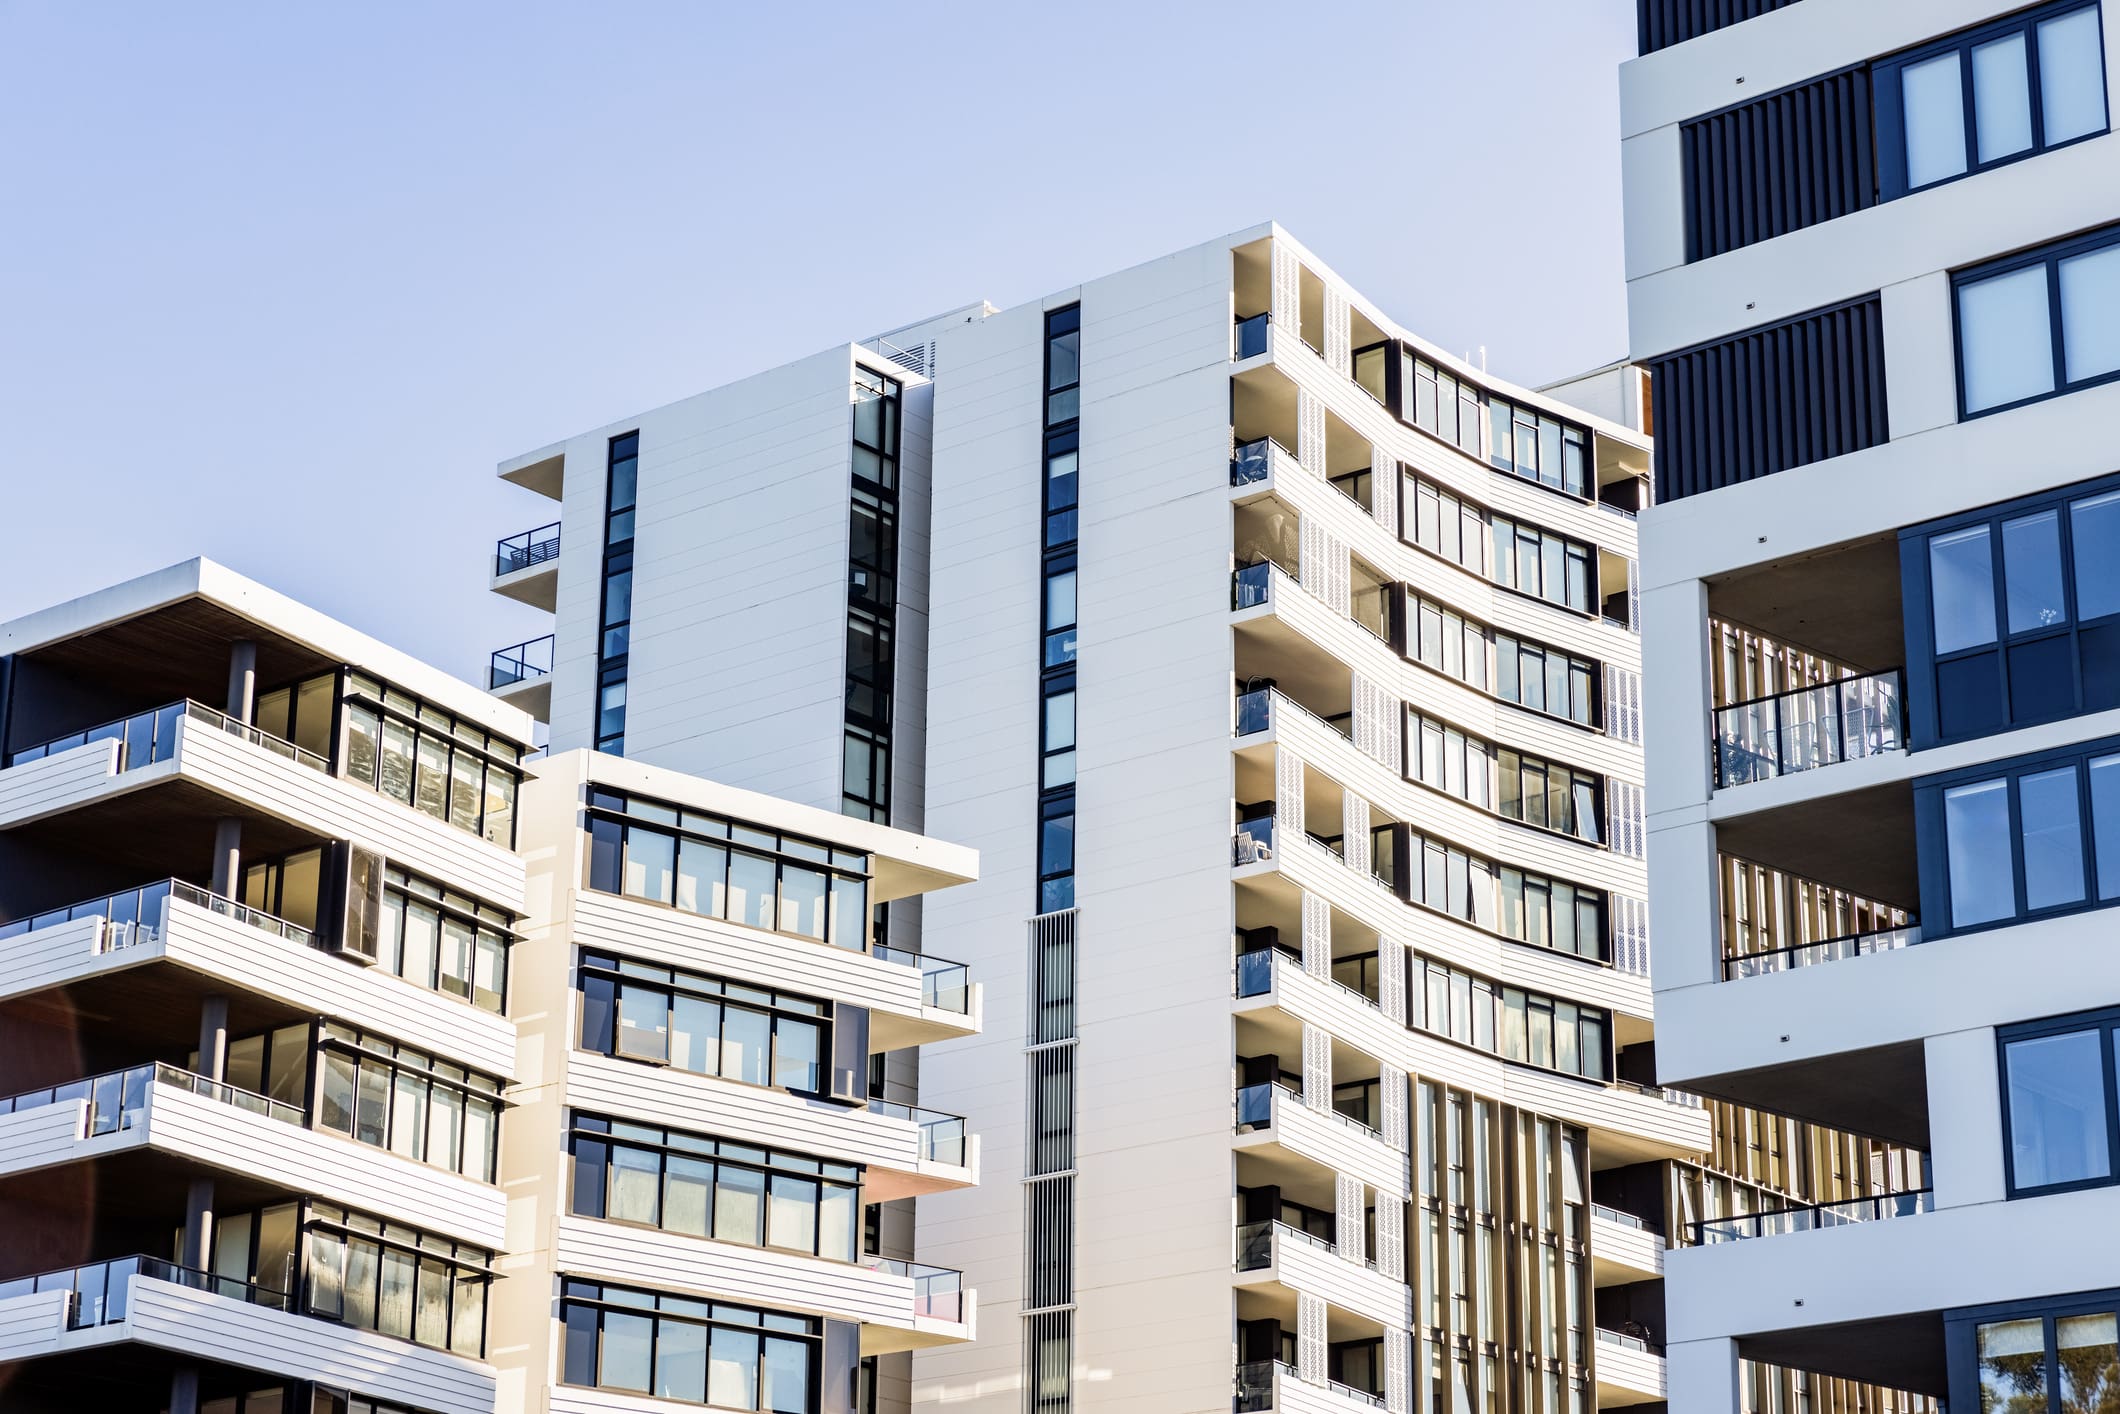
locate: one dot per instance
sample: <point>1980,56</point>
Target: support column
<point>184,1391</point>
<point>213,1037</point>
<point>1702,1376</point>
<point>227,856</point>
<point>198,1225</point>
<point>242,680</point>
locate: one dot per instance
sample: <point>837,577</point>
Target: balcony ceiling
<point>1882,1092</point>
<point>1805,602</point>
<point>1861,841</point>
<point>180,650</point>
<point>1898,1352</point>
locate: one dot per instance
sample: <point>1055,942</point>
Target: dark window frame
<point>611,668</point>
<point>595,1297</point>
<point>1890,106</point>
<point>2050,257</point>
<point>1961,1334</point>
<point>596,973</point>
<point>2103,1021</point>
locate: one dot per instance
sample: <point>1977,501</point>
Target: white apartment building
<point>1283,670</point>
<point>1871,252</point>
<point>357,1063</point>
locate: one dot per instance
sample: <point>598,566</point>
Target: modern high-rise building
<point>1874,269</point>
<point>1283,669</point>
<point>359,1061</point>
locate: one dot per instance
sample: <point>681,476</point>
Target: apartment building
<point>359,1063</point>
<point>1284,670</point>
<point>1870,252</point>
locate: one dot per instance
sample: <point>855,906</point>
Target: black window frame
<point>2104,1021</point>
<point>1055,885</point>
<point>594,1297</point>
<point>482,917</point>
<point>1925,665</point>
<point>368,1051</point>
<point>872,599</point>
<point>1932,838</point>
<point>1890,105</point>
<point>2050,257</point>
<point>598,976</point>
<point>1961,1338</point>
<point>611,668</point>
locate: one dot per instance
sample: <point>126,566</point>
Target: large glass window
<point>615,621</point>
<point>377,1092</point>
<point>1530,908</point>
<point>2060,1356</point>
<point>1538,447</point>
<point>723,868</point>
<point>700,1352</point>
<point>2023,615</point>
<point>2014,313</point>
<point>392,1279</point>
<point>439,764</point>
<point>691,1183</point>
<point>706,1025</point>
<point>2059,1103</point>
<point>872,600</point>
<point>444,941</point>
<point>1924,96</point>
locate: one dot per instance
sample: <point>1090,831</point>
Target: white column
<point>1339,334</point>
<point>1384,486</point>
<point>1965,1096</point>
<point>1317,936</point>
<point>1398,1368</point>
<point>1287,293</point>
<point>1701,1376</point>
<point>1288,796</point>
<point>1310,429</point>
<point>1685,922</point>
<point>1354,831</point>
<point>1676,657</point>
<point>1391,1237</point>
<point>1391,979</point>
<point>1393,1085</point>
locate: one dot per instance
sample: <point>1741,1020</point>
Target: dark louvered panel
<point>1768,399</point>
<point>1778,164</point>
<point>1667,22</point>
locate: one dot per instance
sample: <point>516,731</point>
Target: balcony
<point>158,1304</point>
<point>526,567</point>
<point>146,958</point>
<point>149,738</point>
<point>1813,1218</point>
<point>1274,1252</point>
<point>1624,1248</point>
<point>1276,1388</point>
<point>1809,728</point>
<point>128,1119</point>
<point>1251,338</point>
<point>1276,1121</point>
<point>523,675</point>
<point>1630,1371</point>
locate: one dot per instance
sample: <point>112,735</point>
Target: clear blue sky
<point>279,284</point>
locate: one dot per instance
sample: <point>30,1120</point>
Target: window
<point>872,598</point>
<point>705,1025</point>
<point>376,1092</point>
<point>2023,621</point>
<point>416,753</point>
<point>1063,365</point>
<point>444,941</point>
<point>395,1280</point>
<point>1062,464</point>
<point>1057,751</point>
<point>690,1183</point>
<point>614,643</point>
<point>1443,406</point>
<point>1967,103</point>
<point>1056,855</point>
<point>1060,613</point>
<point>2052,1356</point>
<point>1057,640</point>
<point>722,868</point>
<point>2003,843</point>
<point>1530,908</point>
<point>700,1352</point>
<point>1545,679</point>
<point>1538,448</point>
<point>1507,1021</point>
<point>2038,324</point>
<point>1541,563</point>
<point>2058,1102</point>
<point>1444,524</point>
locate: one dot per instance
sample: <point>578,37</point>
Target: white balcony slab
<point>1331,1140</point>
<point>1621,1253</point>
<point>884,1303</point>
<point>1626,1376</point>
<point>1354,1286</point>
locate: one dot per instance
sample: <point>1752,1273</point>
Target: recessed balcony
<point>1630,1371</point>
<point>526,567</point>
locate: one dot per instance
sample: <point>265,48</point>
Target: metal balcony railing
<point>532,547</point>
<point>1251,585</point>
<point>137,915</point>
<point>101,1290</point>
<point>1811,1218</point>
<point>117,1098</point>
<point>941,1135</point>
<point>1827,950</point>
<point>531,659</point>
<point>938,1292</point>
<point>1614,1215</point>
<point>1809,727</point>
<point>146,738</point>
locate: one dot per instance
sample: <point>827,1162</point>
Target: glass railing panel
<point>1251,335</point>
<point>1255,1107</point>
<point>1809,727</point>
<point>531,659</point>
<point>1812,1218</point>
<point>1252,462</point>
<point>1254,1246</point>
<point>1254,840</point>
<point>1251,585</point>
<point>1254,1391</point>
<point>1254,711</point>
<point>1255,973</point>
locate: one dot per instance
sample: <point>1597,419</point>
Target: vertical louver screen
<point>1763,401</point>
<point>1786,161</point>
<point>1663,23</point>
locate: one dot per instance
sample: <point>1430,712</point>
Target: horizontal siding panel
<point>1782,395</point>
<point>1778,164</point>
<point>399,833</point>
<point>1663,23</point>
<point>47,957</point>
<point>1674,1127</point>
<point>1352,1286</point>
<point>212,1327</point>
<point>653,1094</point>
<point>48,1135</point>
<point>38,788</point>
<point>32,1325</point>
<point>699,1267</point>
<point>1635,1370</point>
<point>1628,1246</point>
<point>1295,1396</point>
<point>1337,1143</point>
<point>335,1169</point>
